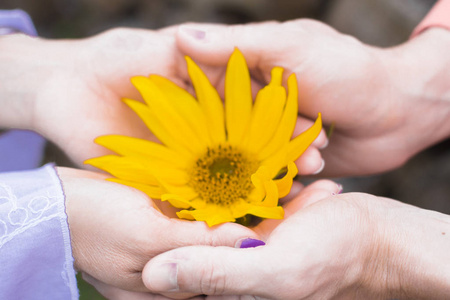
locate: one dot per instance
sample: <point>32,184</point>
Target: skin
<point>349,246</point>
<point>69,91</point>
<point>116,229</point>
<point>385,104</point>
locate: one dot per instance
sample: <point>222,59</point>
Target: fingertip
<point>311,162</point>
<point>205,43</point>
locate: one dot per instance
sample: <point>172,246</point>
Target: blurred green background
<point>423,181</point>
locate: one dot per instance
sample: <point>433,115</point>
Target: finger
<point>206,270</point>
<point>310,162</point>
<point>311,194</point>
<point>179,233</point>
<point>303,124</point>
<point>295,190</point>
<point>308,195</point>
<point>115,293</point>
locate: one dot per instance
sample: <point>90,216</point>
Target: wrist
<point>29,67</point>
<point>16,94</point>
<point>409,258</point>
<point>419,72</point>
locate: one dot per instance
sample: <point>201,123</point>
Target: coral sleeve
<point>439,16</point>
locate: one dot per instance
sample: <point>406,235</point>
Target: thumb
<point>210,44</point>
<point>206,270</point>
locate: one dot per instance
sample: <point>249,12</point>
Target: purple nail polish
<point>251,243</point>
<point>340,188</point>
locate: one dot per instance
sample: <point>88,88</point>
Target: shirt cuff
<point>35,252</point>
<point>439,16</point>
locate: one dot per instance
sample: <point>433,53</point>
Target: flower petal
<point>169,118</point>
<point>301,142</point>
<point>168,136</point>
<point>267,112</point>
<point>263,181</point>
<point>186,106</point>
<point>212,215</point>
<point>238,98</point>
<point>276,212</point>
<point>124,168</point>
<point>209,101</point>
<point>287,123</point>
<point>284,184</point>
<point>130,146</point>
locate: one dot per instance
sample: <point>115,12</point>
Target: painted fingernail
<point>194,32</point>
<point>164,277</point>
<point>249,243</point>
<point>340,189</point>
<point>321,168</point>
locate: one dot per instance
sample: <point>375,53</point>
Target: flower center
<point>223,175</point>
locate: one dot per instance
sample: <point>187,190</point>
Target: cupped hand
<point>382,103</point>
<point>349,246</point>
<point>116,229</point>
<point>75,86</point>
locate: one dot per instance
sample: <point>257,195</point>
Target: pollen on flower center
<point>223,175</point>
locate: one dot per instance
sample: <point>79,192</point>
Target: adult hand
<point>70,90</point>
<point>116,229</point>
<point>386,104</point>
<point>349,246</point>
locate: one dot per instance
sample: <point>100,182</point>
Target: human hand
<point>349,246</point>
<point>70,90</point>
<point>374,97</point>
<point>116,229</point>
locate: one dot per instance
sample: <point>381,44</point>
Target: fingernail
<point>164,277</point>
<point>194,32</point>
<point>327,141</point>
<point>321,168</point>
<point>249,243</point>
<point>340,188</point>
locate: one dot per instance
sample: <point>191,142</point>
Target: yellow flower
<point>217,162</point>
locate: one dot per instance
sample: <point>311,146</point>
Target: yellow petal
<point>263,181</point>
<point>153,192</point>
<point>287,123</point>
<point>169,118</point>
<point>276,212</point>
<point>301,142</point>
<point>212,215</point>
<point>181,202</point>
<point>239,208</point>
<point>186,106</point>
<point>284,184</point>
<point>166,134</point>
<point>176,200</point>
<point>238,98</point>
<point>184,191</point>
<point>123,168</point>
<point>276,161</point>
<point>130,146</point>
<point>209,101</point>
<point>267,112</point>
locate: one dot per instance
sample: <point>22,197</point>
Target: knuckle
<point>213,280</point>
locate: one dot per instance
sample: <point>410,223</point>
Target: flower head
<point>218,162</point>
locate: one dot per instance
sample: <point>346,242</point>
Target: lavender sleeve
<point>35,254</point>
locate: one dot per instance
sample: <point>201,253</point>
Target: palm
<point>86,101</point>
